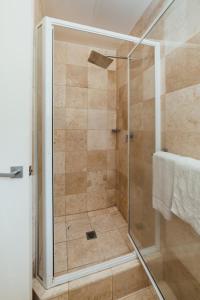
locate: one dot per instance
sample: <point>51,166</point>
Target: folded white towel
<point>163,179</point>
<point>186,194</point>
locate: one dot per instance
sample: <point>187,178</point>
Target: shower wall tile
<point>59,162</point>
<point>59,140</point>
<point>97,140</point>
<point>59,74</point>
<point>60,52</point>
<point>59,95</point>
<point>75,183</point>
<point>97,78</point>
<point>59,206</point>
<point>96,160</point>
<point>76,204</point>
<point>85,148</point>
<point>97,119</point>
<point>76,76</point>
<point>76,161</point>
<point>77,54</point>
<point>76,140</point>
<point>76,118</point>
<point>97,99</point>
<point>76,97</point>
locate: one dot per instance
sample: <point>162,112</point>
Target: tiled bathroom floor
<point>72,249</point>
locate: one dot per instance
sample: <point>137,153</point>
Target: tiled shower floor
<point>72,250</point>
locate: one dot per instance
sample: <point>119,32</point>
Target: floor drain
<point>91,235</point>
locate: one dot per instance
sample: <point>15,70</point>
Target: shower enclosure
<point>86,141</point>
<point>77,138</point>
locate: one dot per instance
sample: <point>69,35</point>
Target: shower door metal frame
<point>48,24</point>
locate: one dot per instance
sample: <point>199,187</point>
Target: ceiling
<point>115,15</point>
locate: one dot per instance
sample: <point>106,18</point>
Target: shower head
<point>99,59</point>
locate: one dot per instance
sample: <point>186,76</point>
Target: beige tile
<point>59,74</point>
<point>59,184</point>
<point>60,257</point>
<point>96,160</point>
<point>102,223</point>
<point>59,206</point>
<point>77,229</point>
<point>59,162</point>
<point>98,212</point>
<point>124,234</point>
<point>59,233</point>
<point>112,99</point>
<point>111,179</point>
<point>83,252</point>
<point>112,244</point>
<point>111,140</point>
<point>111,80</point>
<point>59,140</point>
<point>96,181</point>
<point>182,110</point>
<point>96,286</point>
<point>113,209</point>
<point>76,140</point>
<point>76,118</point>
<point>111,159</point>
<point>96,200</point>
<point>97,119</point>
<point>77,54</point>
<point>112,119</point>
<point>76,97</point>
<point>76,161</point>
<point>118,220</point>
<point>59,219</point>
<point>76,76</point>
<point>59,95</point>
<point>97,99</point>
<point>111,197</point>
<point>76,183</point>
<point>60,291</point>
<point>59,118</point>
<point>60,52</point>
<point>77,217</point>
<point>76,204</point>
<point>128,278</point>
<point>97,139</point>
<point>97,78</point>
<point>61,297</point>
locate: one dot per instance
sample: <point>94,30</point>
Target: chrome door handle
<point>15,172</point>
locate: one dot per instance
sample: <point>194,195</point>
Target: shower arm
<point>119,57</point>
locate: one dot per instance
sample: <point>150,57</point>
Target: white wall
<point>16,48</point>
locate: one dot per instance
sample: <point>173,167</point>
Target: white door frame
<point>48,24</point>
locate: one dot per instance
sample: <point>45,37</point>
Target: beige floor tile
<point>59,232</point>
<point>77,229</point>
<point>102,223</point>
<point>113,209</point>
<point>98,212</point>
<point>124,233</point>
<point>93,287</point>
<point>77,217</point>
<point>83,252</point>
<point>112,244</point>
<point>128,278</point>
<point>60,257</point>
<point>118,220</point>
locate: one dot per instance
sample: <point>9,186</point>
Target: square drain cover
<point>91,235</point>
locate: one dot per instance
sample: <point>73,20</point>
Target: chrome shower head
<point>99,59</point>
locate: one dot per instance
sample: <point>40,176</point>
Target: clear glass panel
<point>39,114</point>
<point>175,261</point>
<point>84,154</point>
<point>142,144</point>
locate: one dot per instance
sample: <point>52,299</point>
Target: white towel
<point>163,178</point>
<point>186,194</point>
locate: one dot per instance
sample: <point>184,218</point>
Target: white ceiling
<point>115,15</point>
